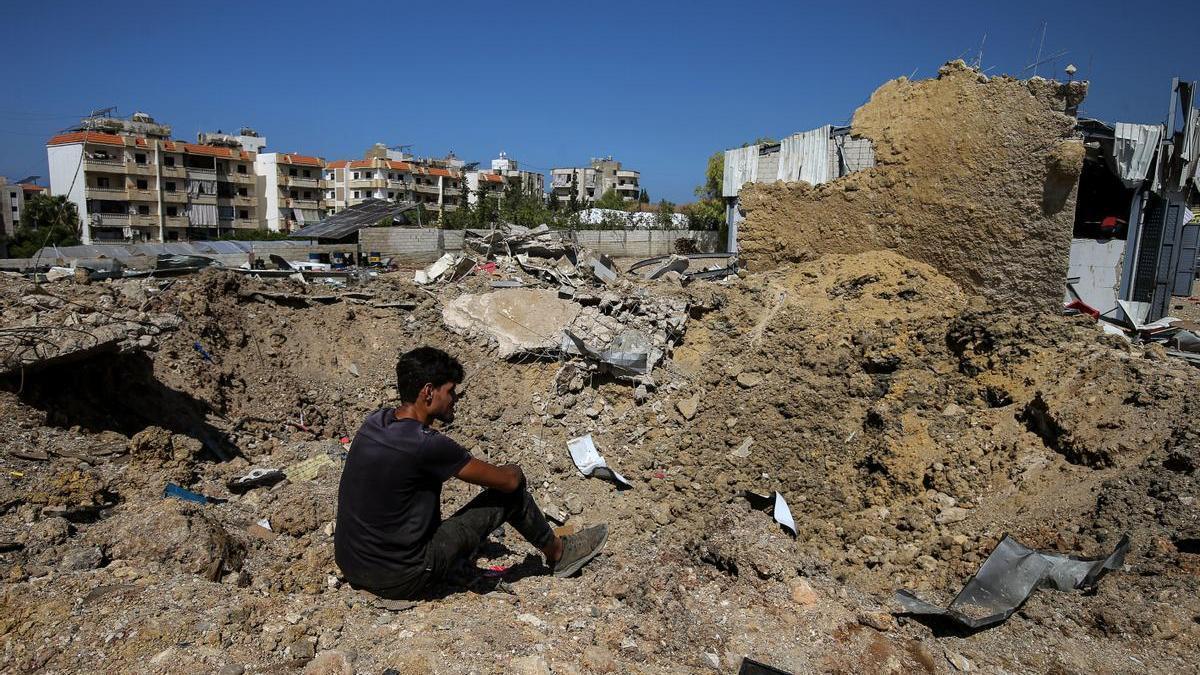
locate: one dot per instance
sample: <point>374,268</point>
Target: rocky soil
<point>909,424</point>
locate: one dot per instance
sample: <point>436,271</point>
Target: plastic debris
<point>201,351</point>
<point>177,492</point>
<point>253,479</point>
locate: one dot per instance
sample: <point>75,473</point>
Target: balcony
<point>400,185</point>
<point>300,181</point>
<point>141,169</point>
<point>134,194</point>
<point>245,201</point>
<point>176,221</point>
<point>429,189</point>
<point>109,219</point>
<point>452,191</point>
<point>176,197</point>
<point>635,175</point>
<point>176,171</point>
<point>203,199</point>
<point>233,177</point>
<point>142,220</point>
<point>106,193</point>
<point>109,165</point>
<point>303,203</point>
<point>373,183</point>
<point>629,187</point>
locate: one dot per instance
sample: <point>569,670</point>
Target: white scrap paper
<point>783,515</point>
<point>587,459</point>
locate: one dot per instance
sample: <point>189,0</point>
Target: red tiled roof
<point>293,158</point>
<point>30,187</point>
<point>337,164</point>
<point>214,151</point>
<point>91,137</point>
<point>438,171</point>
<point>492,178</point>
<point>400,166</point>
<point>170,145</point>
<point>362,164</point>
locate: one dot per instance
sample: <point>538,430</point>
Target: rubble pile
<point>908,423</point>
<point>973,173</point>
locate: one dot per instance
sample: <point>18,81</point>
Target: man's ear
<point>426,392</point>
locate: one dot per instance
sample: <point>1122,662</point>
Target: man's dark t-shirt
<point>390,498</point>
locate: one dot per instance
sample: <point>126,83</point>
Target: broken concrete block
<point>688,406</point>
<point>518,319</point>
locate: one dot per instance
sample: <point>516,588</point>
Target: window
<point>308,194</point>
<point>168,161</point>
<point>291,172</point>
<point>102,182</point>
<point>244,214</point>
<point>172,211</point>
<point>391,176</point>
<point>355,177</point>
<point>391,195</point>
<point>143,209</point>
<point>140,158</point>
<point>141,184</point>
<point>242,192</point>
<point>329,175</point>
<point>169,186</point>
<point>307,173</point>
<point>241,168</point>
<point>356,194</point>
<point>172,236</point>
<point>329,194</point>
<point>294,194</point>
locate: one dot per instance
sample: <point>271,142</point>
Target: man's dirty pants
<point>459,535</point>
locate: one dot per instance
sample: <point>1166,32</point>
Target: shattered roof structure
<point>352,219</point>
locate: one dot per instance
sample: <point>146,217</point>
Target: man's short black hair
<point>425,365</point>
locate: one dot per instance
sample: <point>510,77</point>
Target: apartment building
<point>509,169</point>
<point>131,183</point>
<point>493,185</point>
<point>393,176</point>
<point>291,189</point>
<point>12,203</point>
<point>590,182</point>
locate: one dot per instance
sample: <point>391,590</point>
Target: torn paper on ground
<point>774,504</point>
<point>589,462</point>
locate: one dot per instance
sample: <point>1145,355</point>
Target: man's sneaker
<point>578,549</point>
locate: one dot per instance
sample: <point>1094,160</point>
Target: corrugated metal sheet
<point>741,167</point>
<point>1133,150</point>
<point>353,219</point>
<point>805,156</point>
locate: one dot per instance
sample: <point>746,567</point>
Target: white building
<point>292,190</point>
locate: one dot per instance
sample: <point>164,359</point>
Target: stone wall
<point>976,176</point>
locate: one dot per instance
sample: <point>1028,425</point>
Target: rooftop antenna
<point>1038,58</point>
<point>104,112</point>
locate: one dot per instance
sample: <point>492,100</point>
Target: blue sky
<point>658,85</point>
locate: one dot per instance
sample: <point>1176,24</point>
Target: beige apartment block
<point>435,183</point>
<point>132,183</point>
<point>590,182</point>
<point>292,189</point>
<point>13,197</point>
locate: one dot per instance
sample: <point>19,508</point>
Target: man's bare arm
<point>506,478</point>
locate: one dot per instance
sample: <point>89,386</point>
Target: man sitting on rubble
<point>390,537</point>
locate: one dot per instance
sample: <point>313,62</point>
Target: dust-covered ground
<point>908,423</point>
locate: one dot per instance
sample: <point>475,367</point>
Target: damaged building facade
<point>1135,237</point>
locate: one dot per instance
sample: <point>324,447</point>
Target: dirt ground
<point>908,422</point>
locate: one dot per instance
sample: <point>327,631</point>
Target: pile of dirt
<point>976,176</point>
<point>908,423</point>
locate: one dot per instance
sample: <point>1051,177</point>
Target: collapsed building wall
<point>976,176</point>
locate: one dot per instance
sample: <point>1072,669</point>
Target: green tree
<point>239,234</point>
<point>610,200</point>
<point>45,221</point>
<point>644,197</point>
<point>573,200</point>
<point>664,218</point>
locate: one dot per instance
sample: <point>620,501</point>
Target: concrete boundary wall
<point>412,246</point>
<point>408,245</point>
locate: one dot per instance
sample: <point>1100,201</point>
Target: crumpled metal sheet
<point>1009,576</point>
